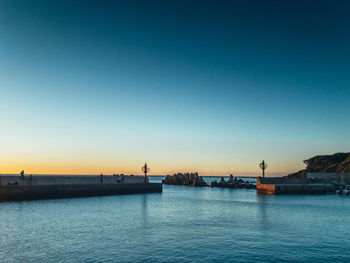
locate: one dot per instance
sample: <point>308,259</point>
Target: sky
<point>89,87</point>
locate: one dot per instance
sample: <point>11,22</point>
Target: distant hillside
<point>336,163</point>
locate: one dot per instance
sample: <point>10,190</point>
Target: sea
<point>182,224</point>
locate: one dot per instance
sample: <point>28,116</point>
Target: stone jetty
<point>232,183</point>
<point>190,179</point>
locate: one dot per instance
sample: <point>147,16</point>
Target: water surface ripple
<point>183,224</point>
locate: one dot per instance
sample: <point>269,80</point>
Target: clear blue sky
<point>208,86</point>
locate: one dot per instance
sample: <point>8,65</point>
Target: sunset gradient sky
<point>90,87</point>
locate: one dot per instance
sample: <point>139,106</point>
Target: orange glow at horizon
<point>81,167</point>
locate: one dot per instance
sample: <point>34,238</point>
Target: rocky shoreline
<point>333,163</point>
<point>193,179</point>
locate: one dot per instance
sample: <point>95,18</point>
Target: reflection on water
<point>262,211</point>
<point>144,209</point>
<point>182,224</point>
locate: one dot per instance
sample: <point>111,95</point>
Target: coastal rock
<point>336,163</point>
<point>213,184</point>
<point>232,183</point>
<point>230,179</point>
<point>193,179</point>
<point>190,179</point>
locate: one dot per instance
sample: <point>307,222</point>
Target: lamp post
<point>263,166</point>
<point>145,169</point>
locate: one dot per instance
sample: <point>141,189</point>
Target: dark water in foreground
<point>183,224</point>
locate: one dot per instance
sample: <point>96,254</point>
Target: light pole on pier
<point>145,169</point>
<point>263,166</point>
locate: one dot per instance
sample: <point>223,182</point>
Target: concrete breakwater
<point>193,179</point>
<point>284,185</point>
<point>56,186</point>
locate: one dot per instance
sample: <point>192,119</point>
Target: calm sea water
<point>182,224</point>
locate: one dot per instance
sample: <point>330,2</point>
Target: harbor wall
<point>336,178</point>
<point>35,192</point>
<point>16,188</point>
<point>262,188</point>
<point>70,180</point>
<point>283,185</point>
